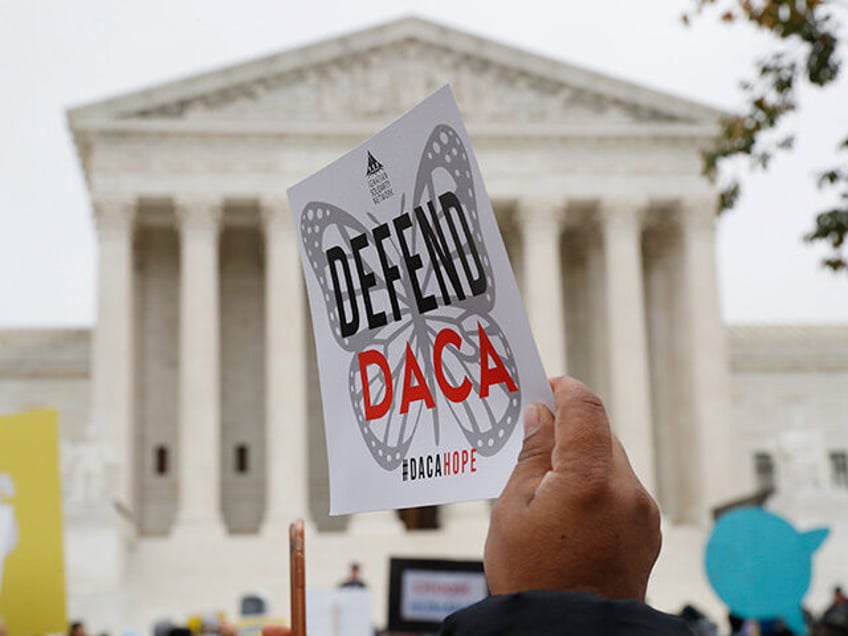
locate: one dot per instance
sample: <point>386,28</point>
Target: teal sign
<point>760,566</point>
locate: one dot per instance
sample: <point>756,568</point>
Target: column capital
<point>542,214</point>
<point>199,214</point>
<point>619,210</point>
<point>114,213</point>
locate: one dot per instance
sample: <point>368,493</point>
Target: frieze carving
<point>384,81</point>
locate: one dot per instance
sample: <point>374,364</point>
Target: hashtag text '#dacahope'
<point>444,464</point>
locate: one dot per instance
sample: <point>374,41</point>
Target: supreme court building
<point>191,416</point>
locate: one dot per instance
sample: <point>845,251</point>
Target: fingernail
<point>532,420</point>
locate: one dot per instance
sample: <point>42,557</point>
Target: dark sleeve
<point>552,613</point>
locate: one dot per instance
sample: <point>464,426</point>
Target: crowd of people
<point>833,621</point>
<point>571,544</point>
<point>215,624</point>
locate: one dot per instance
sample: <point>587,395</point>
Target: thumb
<point>534,461</point>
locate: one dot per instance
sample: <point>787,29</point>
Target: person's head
<point>77,628</point>
<point>691,614</point>
<point>839,595</point>
<point>736,622</point>
<point>835,619</point>
<point>833,626</point>
<point>354,570</point>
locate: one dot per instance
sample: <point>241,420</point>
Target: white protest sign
<point>425,354</point>
<point>339,612</point>
<point>429,596</point>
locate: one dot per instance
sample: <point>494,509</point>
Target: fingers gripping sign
<point>573,515</point>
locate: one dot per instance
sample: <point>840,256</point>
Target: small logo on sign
<point>378,181</point>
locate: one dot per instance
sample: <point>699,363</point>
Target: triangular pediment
<point>376,74</point>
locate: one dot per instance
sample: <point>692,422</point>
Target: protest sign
<point>32,577</point>
<point>425,354</point>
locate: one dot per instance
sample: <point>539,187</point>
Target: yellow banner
<point>32,577</point>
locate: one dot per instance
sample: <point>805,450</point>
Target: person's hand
<point>573,516</point>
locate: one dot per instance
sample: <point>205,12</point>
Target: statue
<point>86,469</point>
<point>801,461</point>
<point>8,523</point>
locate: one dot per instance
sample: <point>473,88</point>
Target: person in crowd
<point>737,625</point>
<point>775,627</point>
<point>77,628</point>
<point>698,622</point>
<point>839,598</point>
<point>834,621</point>
<point>353,579</point>
<point>163,627</point>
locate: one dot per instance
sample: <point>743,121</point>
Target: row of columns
<point>628,401</point>
<point>199,223</point>
<point>541,222</point>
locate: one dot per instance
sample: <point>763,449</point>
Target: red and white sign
<point>428,596</point>
<point>425,354</point>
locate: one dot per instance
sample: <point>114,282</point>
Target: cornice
<point>45,353</point>
<point>788,348</point>
<point>359,130</point>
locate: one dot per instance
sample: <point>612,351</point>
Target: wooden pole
<point>297,569</point>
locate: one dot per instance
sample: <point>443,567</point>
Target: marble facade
<point>204,405</point>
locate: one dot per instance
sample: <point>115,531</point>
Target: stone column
<point>543,296</point>
<point>113,355</point>
<point>287,443</point>
<point>708,363</point>
<point>199,460</point>
<point>629,399</point>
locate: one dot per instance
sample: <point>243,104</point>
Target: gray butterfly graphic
<point>444,168</point>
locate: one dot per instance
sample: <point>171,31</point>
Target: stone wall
<point>47,368</point>
<point>789,389</point>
